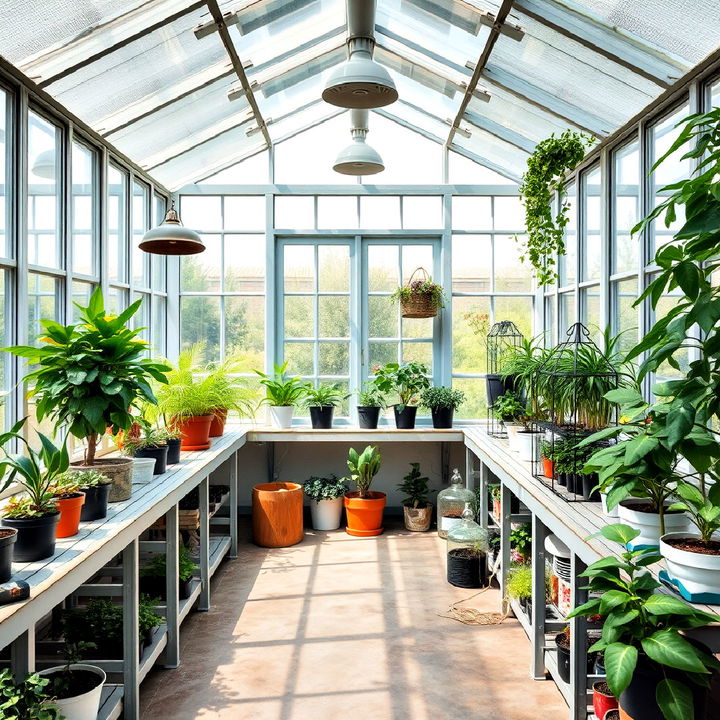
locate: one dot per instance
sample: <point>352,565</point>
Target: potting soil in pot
<point>77,683</point>
<point>466,568</point>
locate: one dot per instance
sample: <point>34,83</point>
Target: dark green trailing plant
<point>325,395</point>
<point>281,390</point>
<point>421,287</point>
<point>89,376</point>
<point>544,177</point>
<point>519,582</point>
<point>408,380</point>
<point>363,468</point>
<point>509,408</point>
<point>415,488</point>
<point>442,397</point>
<point>642,625</point>
<point>157,567</point>
<point>30,699</point>
<point>324,488</point>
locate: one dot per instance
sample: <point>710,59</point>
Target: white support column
<point>172,577</point>
<point>204,490</point>
<point>233,500</point>
<point>578,644</point>
<point>131,632</point>
<point>22,654</point>
<point>537,621</point>
<point>505,505</point>
<point>484,481</point>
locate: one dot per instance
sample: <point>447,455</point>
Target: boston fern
<point>324,488</point>
<point>545,175</point>
<point>642,626</point>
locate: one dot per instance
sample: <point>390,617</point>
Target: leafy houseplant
<point>407,380</point>
<point>89,376</point>
<point>230,393</point>
<point>30,699</point>
<point>153,575</point>
<point>443,402</point>
<point>370,401</point>
<point>150,443</point>
<point>521,543</point>
<point>322,402</point>
<point>417,508</point>
<point>96,487</point>
<point>326,501</point>
<point>364,507</point>
<point>644,647</point>
<point>282,394</point>
<point>420,298</point>
<point>519,584</point>
<point>544,177</point>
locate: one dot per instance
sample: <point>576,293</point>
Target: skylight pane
<point>499,154</point>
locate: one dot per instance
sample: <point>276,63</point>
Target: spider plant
<point>325,395</point>
<point>282,390</point>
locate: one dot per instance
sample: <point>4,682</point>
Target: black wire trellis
<point>570,387</point>
<point>503,336</point>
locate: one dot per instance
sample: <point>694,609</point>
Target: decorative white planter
<point>697,574</point>
<point>528,445</point>
<point>81,707</point>
<point>282,416</point>
<point>142,470</point>
<point>649,523</point>
<point>610,513</point>
<point>512,430</point>
<point>326,514</point>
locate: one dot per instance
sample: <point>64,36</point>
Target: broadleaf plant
<point>363,468</point>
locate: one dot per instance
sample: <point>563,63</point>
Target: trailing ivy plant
<point>545,175</point>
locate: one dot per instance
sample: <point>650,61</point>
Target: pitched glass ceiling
<point>164,85</point>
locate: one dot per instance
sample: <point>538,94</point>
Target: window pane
<point>625,317</point>
<point>244,212</point>
<point>550,325</point>
<point>471,213</point>
<point>422,213</point>
<point>116,300</point>
<point>333,268</point>
<point>43,180</point>
<point>299,268</point>
<point>299,357</point>
<point>383,317</point>
<point>6,338</point>
<point>295,213</point>
<point>200,322</point>
<point>419,352</point>
<point>475,405</point>
<point>337,213</point>
<point>159,262</point>
<point>43,292</point>
<point>299,316</point>
<point>141,319</point>
<point>81,292</point>
<point>517,309</point>
<point>508,213</point>
<point>5,200</point>
<point>511,275</point>
<point>591,246</point>
<point>245,263</point>
<point>245,329</point>
<point>84,201</point>
<point>590,303</point>
<point>471,322</point>
<point>567,313</point>
<point>333,359</point>
<point>201,272</point>
<point>379,212</point>
<point>382,353</point>
<point>201,212</point>
<point>626,249</point>
<point>417,328</point>
<point>140,210</point>
<point>568,260</point>
<point>414,257</point>
<point>383,268</point>
<point>117,224</point>
<point>159,327</point>
<point>334,316</point>
<point>471,263</point>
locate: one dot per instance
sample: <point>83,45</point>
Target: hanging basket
<point>419,304</point>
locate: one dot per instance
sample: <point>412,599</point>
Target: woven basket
<point>418,305</point>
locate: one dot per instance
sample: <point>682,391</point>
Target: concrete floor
<point>346,628</point>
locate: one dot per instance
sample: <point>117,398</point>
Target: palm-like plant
<point>363,468</point>
<point>282,390</point>
<point>325,395</point>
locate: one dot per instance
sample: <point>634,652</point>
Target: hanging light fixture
<point>44,165</point>
<point>171,238</point>
<point>360,82</point>
<point>359,158</point>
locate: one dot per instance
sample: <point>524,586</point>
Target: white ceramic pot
<point>142,470</point>
<point>610,513</point>
<point>282,416</point>
<point>326,514</point>
<point>695,573</point>
<point>528,445</point>
<point>81,707</point>
<point>512,430</point>
<point>649,523</point>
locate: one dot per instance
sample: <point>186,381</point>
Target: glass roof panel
<point>297,120</point>
<point>416,118</point>
<point>688,28</point>
<point>138,70</point>
<point>501,155</point>
<point>460,14</point>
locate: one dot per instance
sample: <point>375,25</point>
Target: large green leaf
<point>639,447</point>
<point>620,662</point>
<point>667,647</point>
<point>667,605</point>
<point>680,421</point>
<point>675,700</point>
<point>613,599</point>
<point>619,533</point>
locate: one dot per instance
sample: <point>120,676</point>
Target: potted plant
<point>407,380</point>
<point>88,377</point>
<point>33,515</point>
<point>652,668</point>
<point>370,402</point>
<point>75,687</point>
<point>603,699</point>
<point>322,401</point>
<point>421,297</point>
<point>27,700</point>
<point>518,368</point>
<point>96,487</point>
<point>153,576</point>
<point>521,543</point>
<point>364,507</point>
<point>519,585</point>
<point>8,536</point>
<point>443,402</point>
<point>174,443</point>
<point>510,410</point>
<point>282,394</point>
<point>151,443</point>
<point>548,453</point>
<point>69,500</point>
<point>417,508</point>
<point>326,501</point>
<point>230,393</point>
<point>528,440</point>
<point>495,493</point>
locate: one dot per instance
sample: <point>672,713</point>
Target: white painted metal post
<point>172,577</point>
<point>505,504</point>
<point>578,644</point>
<point>484,480</point>
<point>22,654</point>
<point>233,551</point>
<point>131,632</point>
<point>204,490</point>
<point>537,621</point>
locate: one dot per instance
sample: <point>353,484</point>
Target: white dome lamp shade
<point>360,82</point>
<point>44,165</point>
<point>359,158</point>
<point>171,238</point>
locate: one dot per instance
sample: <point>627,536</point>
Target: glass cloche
<point>467,547</point>
<point>451,503</point>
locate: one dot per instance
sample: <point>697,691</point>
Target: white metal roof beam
<point>501,132</point>
<point>605,40</point>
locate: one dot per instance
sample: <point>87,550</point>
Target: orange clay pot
<point>217,426</point>
<point>548,467</point>
<point>70,509</point>
<point>364,515</point>
<point>277,514</point>
<point>194,432</point>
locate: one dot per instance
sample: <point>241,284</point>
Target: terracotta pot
<point>194,432</point>
<point>119,470</point>
<point>70,509</point>
<point>219,418</point>
<point>277,514</point>
<point>603,701</point>
<point>548,467</point>
<point>496,509</point>
<point>418,519</point>
<point>364,515</point>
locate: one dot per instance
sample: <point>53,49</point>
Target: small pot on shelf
<point>442,417</point>
<point>119,470</point>
<point>173,453</point>
<point>512,429</point>
<point>35,538</point>
<point>693,566</point>
<point>589,487</point>
<point>603,699</point>
<point>282,416</point>
<point>368,417</point>
<point>405,417</point>
<point>219,418</point>
<point>529,445</point>
<point>96,503</point>
<point>85,704</point>
<point>8,536</point>
<point>70,507</point>
<point>158,453</point>
<point>321,416</point>
<point>194,431</point>
<point>143,470</point>
<point>638,513</point>
<point>548,468</point>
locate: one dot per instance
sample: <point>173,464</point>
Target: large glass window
<point>140,218</point>
<point>625,248</point>
<point>591,248</point>
<point>5,165</point>
<point>117,224</point>
<point>568,262</point>
<point>84,210</point>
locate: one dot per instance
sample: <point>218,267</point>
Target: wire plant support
<point>503,337</point>
<point>568,406</point>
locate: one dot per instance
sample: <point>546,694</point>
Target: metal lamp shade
<point>360,83</point>
<point>358,159</point>
<point>171,238</point>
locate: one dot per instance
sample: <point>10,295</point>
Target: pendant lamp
<point>171,238</point>
<point>359,158</point>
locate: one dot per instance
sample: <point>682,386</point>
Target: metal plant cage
<point>569,407</point>
<point>503,336</point>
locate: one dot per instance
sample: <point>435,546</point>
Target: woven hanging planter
<point>419,304</point>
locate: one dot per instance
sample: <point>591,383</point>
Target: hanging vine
<point>544,176</point>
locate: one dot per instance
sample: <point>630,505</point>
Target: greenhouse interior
<point>360,358</point>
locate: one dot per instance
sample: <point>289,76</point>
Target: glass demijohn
<point>467,547</point>
<point>451,503</point>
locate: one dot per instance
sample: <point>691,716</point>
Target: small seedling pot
<point>548,468</point>
<point>282,416</point>
<point>603,699</point>
<point>96,503</point>
<point>321,417</point>
<point>157,453</point>
<point>143,469</point>
<point>442,418</point>
<point>70,509</point>
<point>173,454</point>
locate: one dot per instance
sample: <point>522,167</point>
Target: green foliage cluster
<point>643,626</point>
<point>84,478</point>
<point>30,699</point>
<point>282,390</point>
<point>157,567</point>
<point>509,408</point>
<point>436,398</point>
<point>371,396</point>
<point>426,287</point>
<point>521,540</point>
<point>325,488</point>
<point>415,488</point>
<point>150,437</point>
<point>363,468</point>
<point>325,395</point>
<point>544,177</point>
<point>519,582</point>
<point>408,380</point>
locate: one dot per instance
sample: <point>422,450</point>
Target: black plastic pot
<point>322,417</point>
<point>8,536</point>
<point>442,417</point>
<point>563,659</point>
<point>173,453</point>
<point>405,418</point>
<point>466,571</point>
<point>158,453</point>
<point>35,537</point>
<point>570,482</point>
<point>588,483</point>
<point>368,417</point>
<point>96,503</point>
<point>156,587</point>
<point>495,387</point>
<point>561,479</point>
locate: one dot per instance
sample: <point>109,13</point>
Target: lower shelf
<point>110,702</point>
